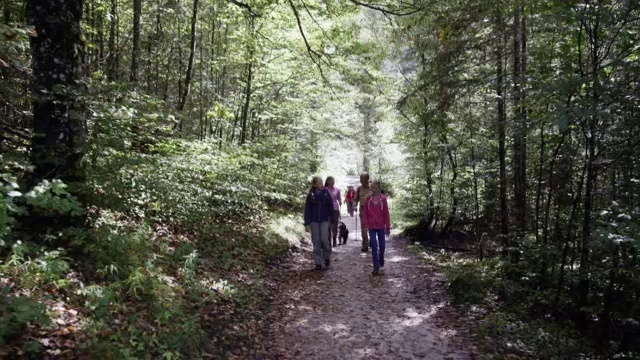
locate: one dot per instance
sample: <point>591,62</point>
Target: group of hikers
<point>322,214</point>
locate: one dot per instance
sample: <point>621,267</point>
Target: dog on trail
<point>343,233</point>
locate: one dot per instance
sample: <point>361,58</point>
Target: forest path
<point>346,313</point>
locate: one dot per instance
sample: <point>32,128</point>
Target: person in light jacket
<point>317,214</point>
<point>375,216</point>
<point>363,192</point>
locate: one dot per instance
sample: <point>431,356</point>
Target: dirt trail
<point>346,313</point>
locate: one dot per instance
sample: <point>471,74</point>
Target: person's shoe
<point>327,263</point>
<point>381,263</point>
<point>318,268</point>
<point>375,273</point>
<point>364,250</point>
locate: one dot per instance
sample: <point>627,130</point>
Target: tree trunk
<point>504,215</point>
<point>100,30</point>
<point>203,116</point>
<point>591,162</point>
<point>6,13</point>
<point>135,55</point>
<point>59,127</point>
<point>192,55</point>
<point>569,235</point>
<point>112,66</point>
<point>452,188</point>
<point>247,104</point>
<point>366,161</point>
<point>520,135</point>
<point>540,181</point>
<point>550,183</point>
<point>608,297</point>
<point>158,38</point>
<point>476,204</point>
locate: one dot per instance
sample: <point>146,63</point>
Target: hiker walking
<point>337,203</point>
<point>317,213</point>
<point>376,220</point>
<point>349,198</point>
<point>364,191</point>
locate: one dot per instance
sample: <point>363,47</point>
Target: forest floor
<point>346,313</point>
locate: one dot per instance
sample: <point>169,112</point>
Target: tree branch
<point>381,8</point>
<point>245,6</point>
<point>312,53</point>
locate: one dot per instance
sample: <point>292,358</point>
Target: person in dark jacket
<point>317,214</point>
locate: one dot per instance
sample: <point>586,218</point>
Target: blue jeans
<point>376,237</point>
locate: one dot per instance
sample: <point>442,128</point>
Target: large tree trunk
<point>135,55</point>
<point>192,55</point>
<point>58,143</point>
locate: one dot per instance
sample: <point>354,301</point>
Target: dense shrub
<point>178,233</point>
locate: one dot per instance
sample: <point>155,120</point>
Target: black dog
<point>343,233</point>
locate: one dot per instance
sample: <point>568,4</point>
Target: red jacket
<point>376,216</point>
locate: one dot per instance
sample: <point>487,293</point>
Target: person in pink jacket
<point>376,220</point>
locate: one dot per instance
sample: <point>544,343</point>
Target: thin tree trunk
<point>552,165</point>
<point>504,215</point>
<point>180,70</point>
<point>539,191</point>
<point>112,72</point>
<point>247,103</point>
<point>591,163</point>
<point>203,125</point>
<point>100,30</point>
<point>570,235</point>
<point>135,55</point>
<point>6,13</point>
<point>192,54</point>
<point>476,199</point>
<point>223,85</point>
<point>519,141</point>
<point>608,296</point>
<point>158,39</point>
<point>452,188</point>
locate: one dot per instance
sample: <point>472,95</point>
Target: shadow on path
<point>346,313</point>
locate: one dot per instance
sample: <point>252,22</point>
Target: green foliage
<point>16,313</point>
<point>471,282</point>
<point>34,268</point>
<point>509,319</point>
<point>51,198</point>
<point>618,225</point>
<point>503,333</point>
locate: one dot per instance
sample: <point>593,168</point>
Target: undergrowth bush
<point>16,313</point>
<point>177,238</point>
<point>512,319</point>
<point>538,339</point>
<point>471,282</point>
